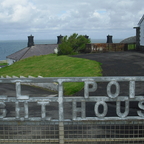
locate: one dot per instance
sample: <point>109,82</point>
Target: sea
<point>8,47</point>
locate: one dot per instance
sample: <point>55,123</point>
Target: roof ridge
<point>24,53</point>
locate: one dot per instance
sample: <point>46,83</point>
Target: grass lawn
<point>2,64</point>
<point>131,46</point>
<point>55,66</point>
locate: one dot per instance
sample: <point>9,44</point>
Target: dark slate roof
<point>36,50</point>
<point>129,40</point>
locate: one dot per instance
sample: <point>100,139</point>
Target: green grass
<point>55,66</point>
<point>131,46</point>
<point>2,64</point>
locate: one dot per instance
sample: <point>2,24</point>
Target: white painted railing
<point>103,129</point>
<point>99,100</point>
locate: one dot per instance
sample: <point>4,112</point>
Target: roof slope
<point>129,40</point>
<point>36,50</point>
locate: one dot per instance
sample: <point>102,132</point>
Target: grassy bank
<point>55,66</point>
<point>131,46</point>
<point>3,64</point>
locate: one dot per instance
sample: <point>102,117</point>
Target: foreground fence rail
<point>109,118</point>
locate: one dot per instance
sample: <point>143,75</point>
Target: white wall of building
<point>10,61</point>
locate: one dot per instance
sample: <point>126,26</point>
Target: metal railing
<point>114,119</point>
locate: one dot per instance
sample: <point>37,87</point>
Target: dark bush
<point>74,44</point>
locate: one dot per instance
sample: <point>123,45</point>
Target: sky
<point>47,19</point>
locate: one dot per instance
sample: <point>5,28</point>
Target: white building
<point>140,34</point>
<point>141,25</point>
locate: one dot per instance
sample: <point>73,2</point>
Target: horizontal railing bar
<point>69,122</point>
<point>99,122</point>
<point>70,99</point>
<point>35,119</point>
<point>98,98</point>
<point>29,140</point>
<point>102,139</point>
<point>31,123</point>
<point>31,99</point>
<point>128,118</point>
<point>70,79</point>
<point>72,140</point>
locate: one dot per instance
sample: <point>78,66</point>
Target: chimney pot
<point>30,41</point>
<point>87,37</point>
<point>109,39</point>
<point>59,39</point>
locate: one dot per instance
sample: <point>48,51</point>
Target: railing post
<point>61,133</point>
<point>61,112</point>
<point>18,92</point>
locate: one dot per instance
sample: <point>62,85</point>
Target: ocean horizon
<point>8,47</point>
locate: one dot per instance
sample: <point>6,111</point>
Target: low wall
<point>105,47</point>
<point>49,86</point>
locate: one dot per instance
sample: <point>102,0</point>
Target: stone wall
<point>105,47</point>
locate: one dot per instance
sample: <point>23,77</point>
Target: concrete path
<point>128,63</point>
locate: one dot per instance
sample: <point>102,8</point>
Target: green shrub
<point>73,44</point>
<point>65,49</point>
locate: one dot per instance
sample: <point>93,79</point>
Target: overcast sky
<point>46,19</point>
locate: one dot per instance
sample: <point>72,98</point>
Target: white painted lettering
<point>141,106</point>
<point>87,89</point>
<point>105,109</point>
<point>109,93</point>
<point>118,106</point>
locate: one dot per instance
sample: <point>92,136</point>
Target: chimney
<point>109,39</point>
<point>87,37</point>
<point>30,41</point>
<point>59,39</point>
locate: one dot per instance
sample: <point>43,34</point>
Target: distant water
<point>11,46</point>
